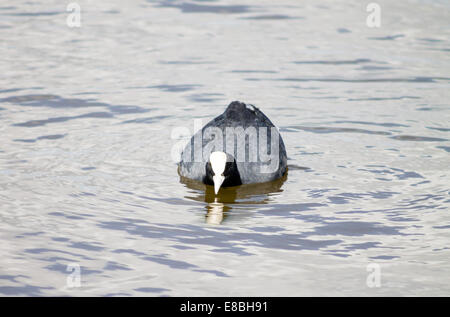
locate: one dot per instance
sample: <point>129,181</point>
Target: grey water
<point>90,200</point>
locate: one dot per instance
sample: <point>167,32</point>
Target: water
<point>87,179</point>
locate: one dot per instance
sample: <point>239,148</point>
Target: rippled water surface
<point>87,178</point>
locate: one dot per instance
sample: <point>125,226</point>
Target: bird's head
<point>221,170</point>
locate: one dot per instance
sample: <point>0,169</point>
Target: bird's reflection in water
<point>215,212</point>
<point>219,206</point>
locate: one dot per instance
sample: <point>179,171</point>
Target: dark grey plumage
<point>247,118</point>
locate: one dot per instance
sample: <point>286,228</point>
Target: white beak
<point>218,161</point>
<point>218,180</point>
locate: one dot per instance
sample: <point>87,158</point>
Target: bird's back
<point>238,114</point>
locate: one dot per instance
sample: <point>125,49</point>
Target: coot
<point>241,146</point>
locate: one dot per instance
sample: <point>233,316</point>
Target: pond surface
<point>88,183</point>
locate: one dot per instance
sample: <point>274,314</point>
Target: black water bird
<point>241,146</point>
